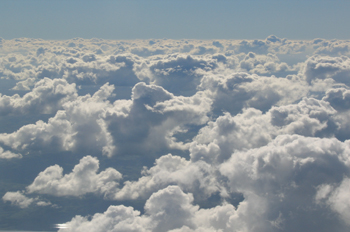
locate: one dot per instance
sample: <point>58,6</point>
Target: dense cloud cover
<point>175,135</point>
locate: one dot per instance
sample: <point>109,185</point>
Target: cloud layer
<point>177,135</point>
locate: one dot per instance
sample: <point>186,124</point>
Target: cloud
<point>198,178</point>
<point>150,120</point>
<point>19,199</point>
<point>336,198</point>
<point>332,47</point>
<point>116,218</point>
<point>323,67</point>
<point>281,179</point>
<point>257,46</point>
<point>108,127</point>
<point>170,208</point>
<point>339,98</point>
<point>166,209</point>
<point>92,70</point>
<point>25,85</point>
<point>177,73</point>
<point>56,134</point>
<point>83,179</point>
<point>8,154</point>
<point>210,135</point>
<point>264,207</point>
<point>265,64</point>
<point>234,91</point>
<point>253,128</point>
<point>68,129</point>
<point>47,97</point>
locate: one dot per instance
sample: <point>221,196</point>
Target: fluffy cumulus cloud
<point>93,124</point>
<point>234,91</point>
<point>8,154</point>
<point>323,67</point>
<point>336,198</point>
<point>282,178</point>
<point>47,97</point>
<point>21,200</point>
<point>282,184</point>
<point>17,198</point>
<point>198,178</point>
<point>77,121</point>
<point>167,209</point>
<point>175,135</point>
<point>55,134</point>
<point>83,179</point>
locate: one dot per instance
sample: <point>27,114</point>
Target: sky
<point>193,19</point>
<point>180,116</point>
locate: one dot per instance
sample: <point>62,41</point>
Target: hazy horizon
<point>194,19</point>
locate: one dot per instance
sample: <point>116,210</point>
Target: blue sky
<point>194,19</point>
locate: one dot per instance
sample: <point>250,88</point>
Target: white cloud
<point>91,124</point>
<point>177,73</point>
<point>281,179</point>
<point>83,179</point>
<point>339,98</point>
<point>265,64</point>
<point>116,218</point>
<point>8,154</point>
<point>167,209</point>
<point>253,128</point>
<point>338,198</point>
<point>255,132</point>
<point>72,128</point>
<point>21,200</point>
<point>148,122</point>
<point>331,48</point>
<point>25,84</point>
<point>323,67</point>
<point>170,208</point>
<point>234,91</point>
<point>47,97</point>
<point>17,198</point>
<point>198,178</point>
<point>57,134</point>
